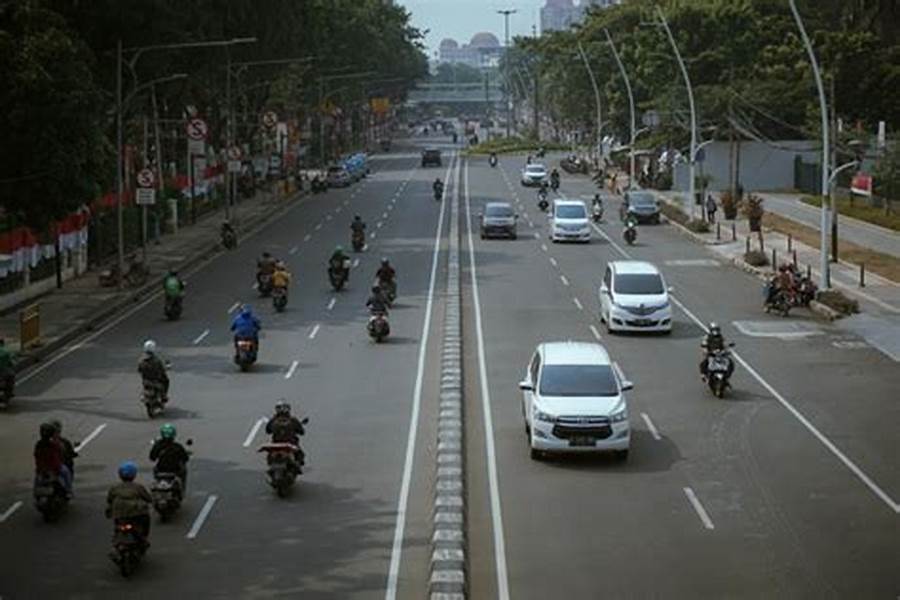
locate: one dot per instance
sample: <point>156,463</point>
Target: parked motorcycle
<point>279,299</point>
<point>152,398</point>
<point>167,491</point>
<point>719,366</point>
<point>173,307</point>
<point>358,240</point>
<point>338,277</point>
<point>50,497</point>
<point>244,353</point>
<point>128,546</point>
<point>378,327</point>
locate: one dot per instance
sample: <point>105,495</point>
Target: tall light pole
<point>506,13</point>
<point>823,108</point>
<point>690,91</point>
<point>630,106</point>
<point>587,65</point>
<point>323,96</point>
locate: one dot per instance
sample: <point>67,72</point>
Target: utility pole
<point>587,65</point>
<point>631,178</point>
<point>506,14</point>
<point>120,221</point>
<point>823,109</point>
<point>834,210</point>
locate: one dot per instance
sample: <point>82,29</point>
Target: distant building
<point>483,50</point>
<point>559,15</point>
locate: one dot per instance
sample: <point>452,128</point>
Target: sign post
<point>30,327</point>
<point>145,196</point>
<point>234,168</point>
<point>197,130</point>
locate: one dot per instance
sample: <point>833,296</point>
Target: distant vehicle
<point>338,176</point>
<point>534,175</point>
<point>573,401</point>
<point>569,221</point>
<point>634,297</point>
<point>431,157</point>
<point>643,206</point>
<point>498,219</point>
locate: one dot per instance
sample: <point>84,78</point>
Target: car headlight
<point>540,415</point>
<point>663,305</point>
<point>618,417</point>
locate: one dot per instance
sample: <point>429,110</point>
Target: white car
<point>634,297</point>
<point>573,401</point>
<point>534,175</point>
<point>569,221</point>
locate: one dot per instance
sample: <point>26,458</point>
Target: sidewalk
<point>82,304</point>
<point>879,299</point>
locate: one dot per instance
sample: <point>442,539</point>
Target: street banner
<point>861,184</point>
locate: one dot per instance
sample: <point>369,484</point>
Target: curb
<point>824,311</point>
<point>34,357</point>
<point>447,579</point>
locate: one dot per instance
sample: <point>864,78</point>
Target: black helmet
<point>357,218</point>
<point>282,408</point>
<point>47,431</point>
<point>385,261</point>
<point>266,255</point>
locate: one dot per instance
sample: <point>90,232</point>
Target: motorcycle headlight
<point>540,415</point>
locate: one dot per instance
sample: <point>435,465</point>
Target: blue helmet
<point>247,310</point>
<point>128,471</point>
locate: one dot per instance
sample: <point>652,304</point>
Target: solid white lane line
<point>337,210</point>
<point>355,263</point>
<point>553,262</point>
<point>860,474</point>
<point>651,426</point>
<point>490,452</point>
<point>201,518</point>
<point>378,225</point>
<point>328,217</point>
<point>403,498</point>
<point>595,332</point>
<point>292,368</point>
<point>384,215</point>
<point>537,235</point>
<point>315,330</point>
<point>307,237</point>
<point>90,437</point>
<point>578,303</point>
<point>564,280</point>
<point>331,303</point>
<point>610,240</point>
<point>293,250</point>
<point>318,226</point>
<point>254,430</point>
<point>372,235</point>
<point>9,511</point>
<point>701,512</point>
<point>233,307</point>
<point>544,247</point>
<point>255,285</point>
<point>201,337</point>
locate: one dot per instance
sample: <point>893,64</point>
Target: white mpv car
<point>534,174</point>
<point>634,297</point>
<point>569,221</point>
<point>573,401</point>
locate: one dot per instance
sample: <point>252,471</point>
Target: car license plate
<point>581,440</point>
<point>642,321</point>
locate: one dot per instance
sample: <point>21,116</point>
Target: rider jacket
<point>337,261</point>
<point>266,265</point>
<point>281,278</point>
<point>169,456</point>
<point>285,429</point>
<point>152,368</point>
<point>376,304</point>
<point>127,500</point>
<point>48,456</point>
<point>357,226</point>
<point>386,273</point>
<point>245,326</point>
<point>713,343</point>
<point>173,286</point>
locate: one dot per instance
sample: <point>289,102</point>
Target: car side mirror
<point>526,386</point>
<point>189,442</point>
<point>671,289</point>
<point>627,385</point>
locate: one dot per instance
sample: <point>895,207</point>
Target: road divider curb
<point>447,580</point>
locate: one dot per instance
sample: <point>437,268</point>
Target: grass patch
<point>838,301</point>
<point>512,145</point>
<point>862,211</point>
<point>755,258</point>
<point>673,213</point>
<point>876,262</point>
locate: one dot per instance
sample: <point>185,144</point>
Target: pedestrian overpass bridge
<point>453,93</point>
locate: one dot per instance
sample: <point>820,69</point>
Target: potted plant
<point>729,205</point>
<point>753,210</point>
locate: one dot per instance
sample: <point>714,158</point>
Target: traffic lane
<point>408,271</point>
<point>572,492</point>
<point>840,365</point>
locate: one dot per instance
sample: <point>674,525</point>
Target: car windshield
<point>639,283</point>
<point>535,170</point>
<point>498,211</point>
<point>641,200</point>
<point>432,152</point>
<point>578,380</point>
<point>570,211</point>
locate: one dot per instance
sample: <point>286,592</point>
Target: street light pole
<point>615,52</point>
<point>587,65</point>
<point>506,13</point>
<point>823,108</point>
<point>690,91</point>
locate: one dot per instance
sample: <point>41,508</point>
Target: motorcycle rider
<point>49,457</point>
<point>438,187</point>
<point>129,501</point>
<point>153,370</point>
<point>246,327</point>
<point>336,262</point>
<point>281,277</point>
<point>169,455</point>
<point>264,266</point>
<point>7,369</point>
<point>554,178</point>
<point>68,448</point>
<point>597,202</point>
<point>376,302</point>
<point>286,429</point>
<point>227,231</point>
<point>173,285</point>
<point>712,342</point>
<point>386,272</point>
<point>357,225</point>
<point>493,159</point>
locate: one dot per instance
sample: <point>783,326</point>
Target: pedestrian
<point>710,208</point>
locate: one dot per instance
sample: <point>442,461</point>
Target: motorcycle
<point>282,467</point>
<point>358,240</point>
<point>806,291</point>
<point>244,353</point>
<point>338,277</point>
<point>152,397</point>
<point>554,183</point>
<point>378,327</point>
<point>718,371</point>
<point>318,185</point>
<point>172,308</point>
<point>279,299</point>
<point>597,213</point>
<point>136,274</point>
<point>167,491</point>
<point>265,284</point>
<point>50,496</point>
<point>630,234</point>
<point>229,239</point>
<point>438,194</point>
<point>389,289</point>
<point>128,546</point>
<point>493,161</point>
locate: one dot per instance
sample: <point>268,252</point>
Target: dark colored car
<point>498,219</point>
<point>431,156</point>
<point>643,206</point>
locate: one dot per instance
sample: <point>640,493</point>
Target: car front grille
<point>597,430</point>
<point>642,309</point>
<point>642,323</point>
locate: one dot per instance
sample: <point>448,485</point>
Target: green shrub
<point>698,226</point>
<point>838,301</point>
<point>756,258</point>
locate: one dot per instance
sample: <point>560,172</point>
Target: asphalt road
<point>786,488</point>
<point>334,537</point>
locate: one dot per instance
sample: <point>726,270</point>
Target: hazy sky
<point>461,19</point>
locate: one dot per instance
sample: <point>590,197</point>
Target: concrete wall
<point>763,167</point>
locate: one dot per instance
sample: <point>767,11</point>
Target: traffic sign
<point>145,178</point>
<point>270,119</point>
<point>197,129</point>
<point>234,166</point>
<point>234,153</point>
<point>145,196</point>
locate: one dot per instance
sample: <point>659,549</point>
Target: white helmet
<point>149,346</point>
